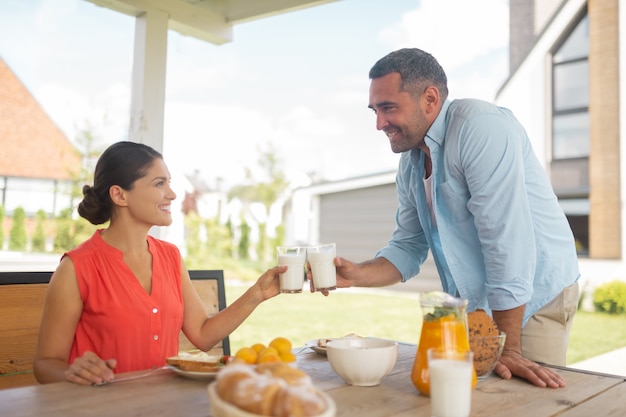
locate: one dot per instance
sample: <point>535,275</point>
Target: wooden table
<point>167,394</point>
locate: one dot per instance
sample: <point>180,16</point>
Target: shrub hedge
<point>610,297</point>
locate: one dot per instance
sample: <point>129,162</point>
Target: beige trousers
<point>546,335</point>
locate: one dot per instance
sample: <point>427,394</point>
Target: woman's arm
<point>62,311</point>
<point>204,331</point>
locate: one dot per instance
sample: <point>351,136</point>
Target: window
<point>570,129</point>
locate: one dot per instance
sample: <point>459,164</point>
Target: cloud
<point>307,95</point>
<point>463,37</point>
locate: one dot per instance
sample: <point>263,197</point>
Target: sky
<point>296,82</point>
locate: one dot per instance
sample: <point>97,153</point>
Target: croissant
<point>273,389</point>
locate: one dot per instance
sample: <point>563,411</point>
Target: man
<point>471,191</point>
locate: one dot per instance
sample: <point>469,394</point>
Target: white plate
<point>199,376</point>
<point>312,344</point>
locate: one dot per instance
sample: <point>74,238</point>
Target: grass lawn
<point>595,333</point>
<point>303,317</point>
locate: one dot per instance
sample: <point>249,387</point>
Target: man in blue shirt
<point>471,190</point>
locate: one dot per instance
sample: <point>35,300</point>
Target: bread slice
<point>196,362</point>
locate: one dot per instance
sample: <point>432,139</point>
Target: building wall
<point>604,156</point>
<point>359,221</point>
<point>521,33</point>
<point>358,214</point>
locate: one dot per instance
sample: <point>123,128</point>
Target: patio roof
<point>208,20</point>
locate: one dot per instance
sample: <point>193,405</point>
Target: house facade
<point>37,161</point>
<point>564,86</point>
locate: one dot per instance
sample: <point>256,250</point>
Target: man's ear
<point>430,99</point>
<point>118,195</point>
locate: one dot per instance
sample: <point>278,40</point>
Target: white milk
<point>323,270</point>
<point>450,388</point>
<point>292,280</point>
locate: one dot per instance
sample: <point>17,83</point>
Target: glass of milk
<point>450,382</point>
<point>322,260</point>
<point>294,257</point>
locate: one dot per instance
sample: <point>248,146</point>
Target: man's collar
<point>437,130</point>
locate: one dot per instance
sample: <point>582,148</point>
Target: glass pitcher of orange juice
<point>444,326</point>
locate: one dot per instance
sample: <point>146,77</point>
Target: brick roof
<point>31,144</point>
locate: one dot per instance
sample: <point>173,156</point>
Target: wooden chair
<point>22,296</point>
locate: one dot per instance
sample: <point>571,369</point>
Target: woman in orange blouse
<point>118,301</point>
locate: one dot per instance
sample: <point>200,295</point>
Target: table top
<point>166,394</point>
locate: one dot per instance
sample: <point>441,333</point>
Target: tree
<point>1,227</point>
<point>244,240</point>
<point>63,239</point>
<point>87,144</point>
<point>38,242</point>
<point>267,191</point>
<point>17,235</point>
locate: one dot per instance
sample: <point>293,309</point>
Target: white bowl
<point>362,362</point>
<point>221,408</point>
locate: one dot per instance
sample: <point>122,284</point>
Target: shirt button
<point>155,310</point>
<point>155,337</point>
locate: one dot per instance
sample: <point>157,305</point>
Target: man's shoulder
<point>472,107</point>
<point>478,116</point>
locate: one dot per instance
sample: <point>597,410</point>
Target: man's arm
<point>512,362</point>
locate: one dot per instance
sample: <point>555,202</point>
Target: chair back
<point>22,296</point>
<point>209,283</point>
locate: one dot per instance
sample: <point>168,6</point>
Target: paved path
<point>613,362</point>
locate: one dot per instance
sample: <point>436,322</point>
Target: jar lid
<point>441,299</point>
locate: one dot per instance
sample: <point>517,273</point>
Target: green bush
<point>38,241</point>
<point>1,227</point>
<point>611,297</point>
<point>17,235</point>
<point>63,239</point>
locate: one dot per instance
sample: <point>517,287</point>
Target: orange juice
<point>447,332</point>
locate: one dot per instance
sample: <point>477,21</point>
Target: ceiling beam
<point>184,17</point>
<point>239,11</point>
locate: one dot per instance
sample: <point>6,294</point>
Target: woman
<point>119,300</point>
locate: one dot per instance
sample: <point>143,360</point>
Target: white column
<point>148,79</point>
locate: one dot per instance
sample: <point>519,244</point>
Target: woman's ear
<point>118,195</point>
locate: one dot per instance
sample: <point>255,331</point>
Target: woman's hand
<point>89,369</point>
<point>269,283</point>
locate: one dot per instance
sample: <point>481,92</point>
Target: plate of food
<point>319,345</point>
<point>197,365</point>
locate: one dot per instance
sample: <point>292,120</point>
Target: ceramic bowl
<point>487,351</point>
<point>362,362</point>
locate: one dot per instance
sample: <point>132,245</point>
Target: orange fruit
<point>247,354</point>
<point>268,351</point>
<point>258,347</point>
<point>287,356</point>
<point>269,357</point>
<point>281,344</point>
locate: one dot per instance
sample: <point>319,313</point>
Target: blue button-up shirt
<point>501,239</point>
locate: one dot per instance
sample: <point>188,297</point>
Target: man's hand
<point>512,363</point>
<point>377,272</point>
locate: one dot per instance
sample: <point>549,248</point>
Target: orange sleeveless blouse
<point>120,320</point>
